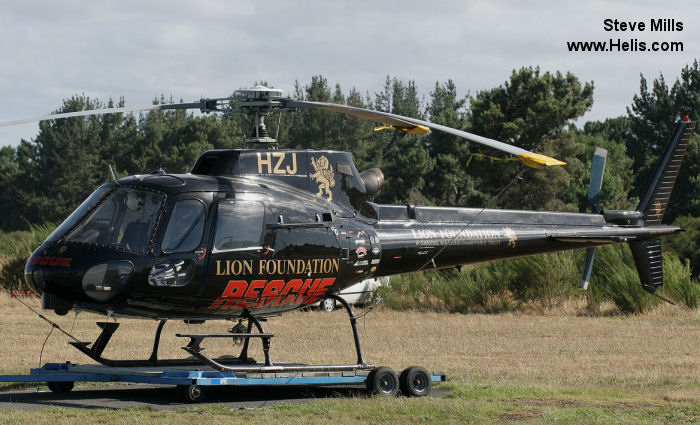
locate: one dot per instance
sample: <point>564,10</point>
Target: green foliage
<point>678,284</point>
<point>653,115</point>
<point>449,183</point>
<point>484,287</point>
<point>615,273</point>
<point>406,159</point>
<point>548,279</point>
<point>45,179</point>
<point>617,178</point>
<point>480,288</point>
<point>532,111</point>
<point>542,281</point>
<point>15,249</point>
<point>530,108</point>
<point>687,244</point>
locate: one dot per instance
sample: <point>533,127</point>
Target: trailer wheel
<point>415,382</point>
<point>383,381</point>
<point>61,387</point>
<point>191,393</point>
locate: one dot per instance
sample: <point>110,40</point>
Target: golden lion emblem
<point>324,176</point>
<point>512,237</point>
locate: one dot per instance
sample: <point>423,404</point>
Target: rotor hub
<point>259,101</point>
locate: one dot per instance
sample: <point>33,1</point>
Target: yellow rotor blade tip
<point>536,160</point>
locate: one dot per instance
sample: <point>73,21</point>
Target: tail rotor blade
<point>597,169</point>
<point>587,268</point>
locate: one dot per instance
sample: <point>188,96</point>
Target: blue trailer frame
<point>191,381</point>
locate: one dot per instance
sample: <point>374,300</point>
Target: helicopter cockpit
<point>125,219</point>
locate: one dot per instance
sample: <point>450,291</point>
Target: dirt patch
<point>572,404</point>
<point>548,402</point>
<point>520,415</point>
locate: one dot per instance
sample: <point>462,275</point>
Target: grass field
<point>540,368</point>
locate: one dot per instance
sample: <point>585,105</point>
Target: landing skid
<point>195,350</point>
<point>243,363</point>
<point>94,350</point>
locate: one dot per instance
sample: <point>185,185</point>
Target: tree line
<point>45,178</point>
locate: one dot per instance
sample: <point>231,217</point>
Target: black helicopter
<point>251,233</point>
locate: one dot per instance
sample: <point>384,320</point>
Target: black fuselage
<point>273,235</point>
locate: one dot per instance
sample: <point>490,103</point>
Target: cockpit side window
<point>238,225</point>
<point>125,219</point>
<point>185,228</point>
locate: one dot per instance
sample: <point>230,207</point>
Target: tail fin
<point>647,252</point>
<point>656,196</point>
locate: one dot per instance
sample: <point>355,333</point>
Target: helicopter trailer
<point>194,375</point>
<point>192,382</point>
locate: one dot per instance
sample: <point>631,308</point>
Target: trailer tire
<point>415,381</point>
<point>383,381</point>
<point>191,393</point>
<point>61,387</point>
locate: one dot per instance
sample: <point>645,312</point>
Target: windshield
<point>80,212</point>
<point>125,219</point>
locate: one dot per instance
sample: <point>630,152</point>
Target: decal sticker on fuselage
<point>324,176</point>
<point>307,267</point>
<point>52,261</point>
<point>475,236</point>
<point>512,237</point>
<point>277,163</point>
<point>243,294</point>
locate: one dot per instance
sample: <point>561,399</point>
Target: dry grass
<point>654,354</point>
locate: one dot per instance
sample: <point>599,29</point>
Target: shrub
<point>686,245</point>
<point>545,280</point>
<point>16,248</point>
<point>484,287</point>
<point>548,279</point>
<point>678,284</point>
<point>614,271</point>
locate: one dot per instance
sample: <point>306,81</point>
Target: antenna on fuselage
<point>113,175</point>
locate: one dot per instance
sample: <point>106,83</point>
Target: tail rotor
<point>597,168</point>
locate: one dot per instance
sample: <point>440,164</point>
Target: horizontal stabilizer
<point>601,239</point>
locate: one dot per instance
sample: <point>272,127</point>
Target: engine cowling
<point>373,179</point>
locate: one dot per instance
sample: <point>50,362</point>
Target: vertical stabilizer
<point>647,252</point>
<point>656,196</point>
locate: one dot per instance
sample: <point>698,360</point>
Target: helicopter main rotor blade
<point>205,105</point>
<point>407,124</point>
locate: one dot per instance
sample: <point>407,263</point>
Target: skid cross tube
<point>194,348</point>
